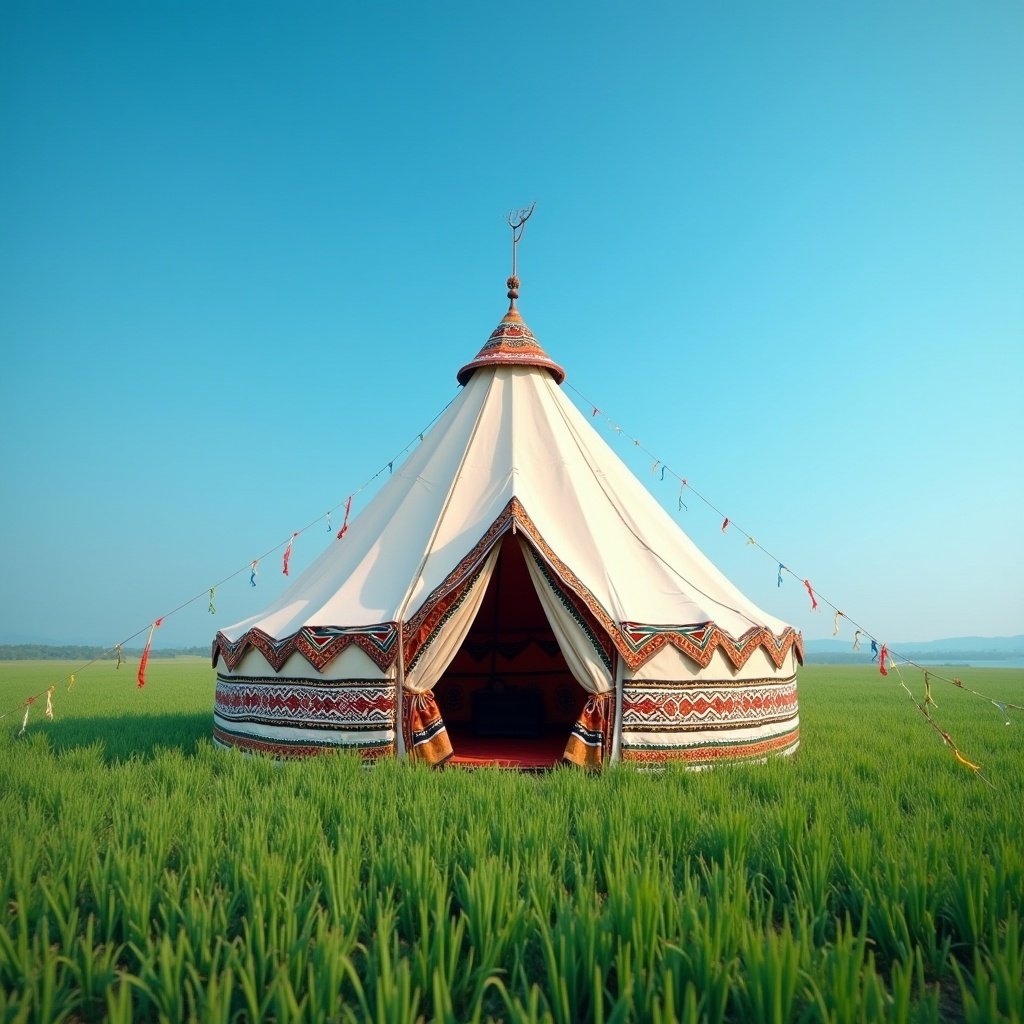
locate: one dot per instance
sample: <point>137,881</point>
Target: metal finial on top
<point>517,222</point>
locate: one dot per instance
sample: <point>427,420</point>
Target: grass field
<point>145,875</point>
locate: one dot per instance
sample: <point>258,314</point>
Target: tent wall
<point>672,710</point>
<point>297,712</point>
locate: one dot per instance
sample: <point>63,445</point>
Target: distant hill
<point>950,649</point>
<point>83,652</point>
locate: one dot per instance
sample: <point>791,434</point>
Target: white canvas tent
<point>512,587</point>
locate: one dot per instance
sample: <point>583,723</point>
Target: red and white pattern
<point>662,706</point>
<point>639,642</point>
<point>319,645</point>
<point>705,722</point>
<point>512,343</point>
<point>303,717</point>
<point>348,704</point>
<point>708,752</point>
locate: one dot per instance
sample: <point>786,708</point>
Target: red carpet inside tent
<point>525,753</point>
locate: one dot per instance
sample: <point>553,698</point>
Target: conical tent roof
<point>512,453</point>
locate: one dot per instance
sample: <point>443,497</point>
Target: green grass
<point>145,875</point>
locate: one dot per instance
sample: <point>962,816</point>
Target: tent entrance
<point>508,696</point>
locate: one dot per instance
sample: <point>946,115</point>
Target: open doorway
<point>508,696</point>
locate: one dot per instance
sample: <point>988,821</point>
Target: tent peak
<point>512,343</point>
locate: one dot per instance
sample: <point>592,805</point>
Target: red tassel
<point>344,525</point>
<point>144,660</point>
<point>810,590</point>
<point>882,655</point>
<point>725,524</point>
<point>288,554</point>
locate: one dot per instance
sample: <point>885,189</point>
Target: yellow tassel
<point>71,681</point>
<point>49,702</point>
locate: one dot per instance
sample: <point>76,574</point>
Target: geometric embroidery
<point>700,642</point>
<point>349,704</point>
<point>667,706</point>
<point>512,343</point>
<point>319,645</point>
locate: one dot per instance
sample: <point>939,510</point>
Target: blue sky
<point>247,247</point>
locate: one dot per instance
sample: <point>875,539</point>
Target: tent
<point>512,595</point>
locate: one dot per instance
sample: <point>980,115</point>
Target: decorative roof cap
<point>512,344</point>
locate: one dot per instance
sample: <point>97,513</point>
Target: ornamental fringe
<point>426,737</point>
<point>590,740</point>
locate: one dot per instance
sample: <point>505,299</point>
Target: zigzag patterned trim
<point>635,641</point>
<point>319,645</point>
<point>638,643</point>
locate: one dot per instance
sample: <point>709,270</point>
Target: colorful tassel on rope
<point>344,525</point>
<point>682,504</point>
<point>212,609</point>
<point>24,721</point>
<point>1002,707</point>
<point>71,681</point>
<point>725,524</point>
<point>835,622</point>
<point>856,640</point>
<point>882,655</point>
<point>49,702</point>
<point>810,592</point>
<point>654,468</point>
<point>778,579</point>
<point>144,660</point>
<point>594,412</point>
<point>874,650</point>
<point>288,554</point>
<point>750,540</point>
<point>928,699</point>
<point>117,654</point>
<point>254,569</point>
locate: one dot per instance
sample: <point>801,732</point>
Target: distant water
<point>1007,663</point>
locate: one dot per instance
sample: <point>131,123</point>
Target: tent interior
<point>508,696</point>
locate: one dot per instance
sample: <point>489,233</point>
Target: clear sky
<point>245,248</point>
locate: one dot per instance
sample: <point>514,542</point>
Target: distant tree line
<point>951,657</point>
<point>81,652</point>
